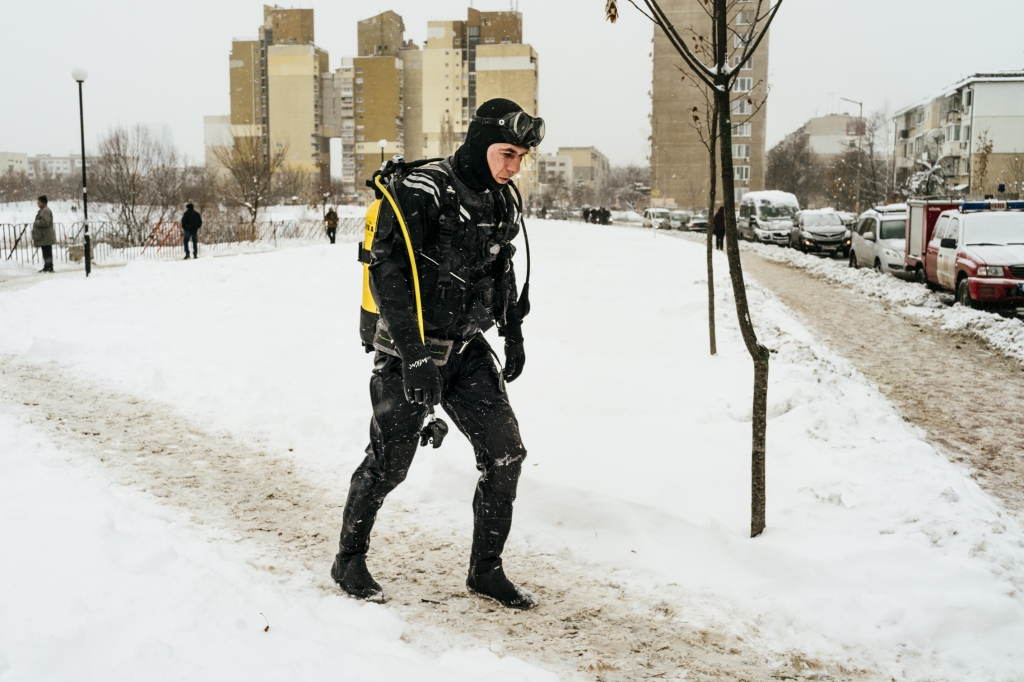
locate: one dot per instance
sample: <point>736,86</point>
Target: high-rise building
<point>420,101</point>
<point>679,160</point>
<point>276,93</point>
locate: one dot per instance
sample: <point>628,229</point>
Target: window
<point>920,117</point>
<point>968,97</point>
<point>359,99</point>
<point>740,192</point>
<point>967,132</point>
<point>866,225</point>
<point>741,151</point>
<point>742,172</point>
<point>747,65</point>
<point>739,41</point>
<point>940,227</point>
<point>741,130</point>
<point>743,85</point>
<point>745,18</point>
<point>954,228</point>
<point>741,107</point>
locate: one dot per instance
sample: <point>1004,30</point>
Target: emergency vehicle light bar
<point>991,206</point>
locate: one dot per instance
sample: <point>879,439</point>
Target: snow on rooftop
<point>774,197</point>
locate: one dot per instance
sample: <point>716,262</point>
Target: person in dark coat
<point>332,223</point>
<point>586,215</point>
<point>44,236</point>
<point>719,228</point>
<point>191,221</point>
<point>453,364</point>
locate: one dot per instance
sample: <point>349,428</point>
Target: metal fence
<point>114,242</point>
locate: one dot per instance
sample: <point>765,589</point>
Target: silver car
<point>879,240</point>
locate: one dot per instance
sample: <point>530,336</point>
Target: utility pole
<point>860,144</point>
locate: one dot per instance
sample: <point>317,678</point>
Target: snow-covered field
<point>880,555</point>
<point>1002,333</point>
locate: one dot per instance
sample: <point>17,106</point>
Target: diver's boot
<point>352,576</point>
<point>488,579</point>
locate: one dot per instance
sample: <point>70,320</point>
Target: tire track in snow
<point>584,629</point>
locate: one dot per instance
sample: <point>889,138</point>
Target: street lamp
<point>382,143</point>
<point>860,143</point>
<point>80,74</point>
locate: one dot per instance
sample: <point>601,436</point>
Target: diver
<point>460,217</point>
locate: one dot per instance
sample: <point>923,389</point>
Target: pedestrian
<point>332,223</point>
<point>543,213</point>
<point>191,221</point>
<point>606,216</point>
<point>586,214</point>
<point>44,236</point>
<point>719,228</point>
<point>461,214</point>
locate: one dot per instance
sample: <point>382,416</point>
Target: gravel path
<point>967,397</point>
<point>586,628</point>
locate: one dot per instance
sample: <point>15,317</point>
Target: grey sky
<point>166,63</point>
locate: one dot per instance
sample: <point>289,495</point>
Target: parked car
<point>678,220</point>
<point>656,217</point>
<point>879,240</point>
<point>820,231</point>
<point>923,214</point>
<point>767,217</point>
<point>977,251</point>
<point>698,223</point>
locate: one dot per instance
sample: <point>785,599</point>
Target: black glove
<point>421,380</point>
<point>515,358</point>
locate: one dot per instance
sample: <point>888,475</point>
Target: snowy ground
<point>1005,334</point>
<point>880,556</point>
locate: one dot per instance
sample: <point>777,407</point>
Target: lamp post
<point>860,143</point>
<point>80,74</point>
<point>382,143</point>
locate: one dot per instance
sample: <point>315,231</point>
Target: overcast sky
<point>167,63</point>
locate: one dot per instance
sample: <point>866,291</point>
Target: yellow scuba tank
<point>368,313</point>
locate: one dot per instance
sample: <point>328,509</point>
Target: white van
<point>656,218</point>
<point>767,216</point>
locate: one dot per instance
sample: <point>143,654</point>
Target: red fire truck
<point>920,228</point>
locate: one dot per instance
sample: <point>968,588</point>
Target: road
<point>965,396</point>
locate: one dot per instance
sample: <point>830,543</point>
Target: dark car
<point>820,232</point>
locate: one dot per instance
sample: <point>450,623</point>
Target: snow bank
<point>1003,334</point>
<point>104,584</point>
<point>879,555</point>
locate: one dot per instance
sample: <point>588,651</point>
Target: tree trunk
<point>713,135</point>
<point>758,353</point>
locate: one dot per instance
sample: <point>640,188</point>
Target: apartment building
<point>589,166</point>
<point>45,165</point>
<point>955,126</point>
<point>276,97</point>
<point>679,160</point>
<point>13,162</point>
<point>554,168</point>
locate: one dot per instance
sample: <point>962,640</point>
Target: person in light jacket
<point>44,236</point>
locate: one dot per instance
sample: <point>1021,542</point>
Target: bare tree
<point>15,186</point>
<point>1013,175</point>
<point>792,167</point>
<point>719,76</point>
<point>139,177</point>
<point>708,133</point>
<point>985,147</point>
<point>252,173</point>
<point>627,186</point>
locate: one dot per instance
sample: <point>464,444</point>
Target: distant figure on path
<point>43,234</point>
<point>719,228</point>
<point>191,221</point>
<point>586,215</point>
<point>332,223</point>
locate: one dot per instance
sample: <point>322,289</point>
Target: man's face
<point>40,204</point>
<point>505,160</point>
